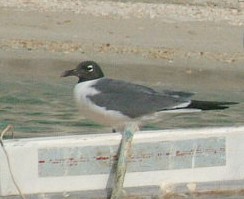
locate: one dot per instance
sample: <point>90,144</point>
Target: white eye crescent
<point>90,68</point>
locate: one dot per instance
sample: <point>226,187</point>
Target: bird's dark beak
<point>69,73</point>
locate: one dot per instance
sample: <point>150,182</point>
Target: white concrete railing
<point>83,163</point>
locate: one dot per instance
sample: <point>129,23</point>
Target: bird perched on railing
<point>116,102</point>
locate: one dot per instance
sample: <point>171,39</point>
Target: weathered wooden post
<point>123,155</point>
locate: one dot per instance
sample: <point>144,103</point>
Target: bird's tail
<point>209,105</point>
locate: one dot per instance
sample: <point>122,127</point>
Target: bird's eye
<point>89,68</point>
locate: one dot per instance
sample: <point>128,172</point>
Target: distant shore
<point>126,32</point>
<point>216,11</point>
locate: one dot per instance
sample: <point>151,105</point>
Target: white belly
<point>91,111</point>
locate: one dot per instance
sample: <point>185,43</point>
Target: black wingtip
<point>210,105</point>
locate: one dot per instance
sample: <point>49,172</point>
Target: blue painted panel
<point>164,155</point>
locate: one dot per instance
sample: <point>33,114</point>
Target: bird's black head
<point>85,71</point>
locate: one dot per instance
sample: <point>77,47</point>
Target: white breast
<point>91,110</point>
<point>84,89</point>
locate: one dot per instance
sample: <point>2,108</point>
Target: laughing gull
<point>115,102</point>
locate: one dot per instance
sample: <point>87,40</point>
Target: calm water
<point>38,102</point>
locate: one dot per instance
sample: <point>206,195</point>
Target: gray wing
<point>178,94</point>
<point>131,99</point>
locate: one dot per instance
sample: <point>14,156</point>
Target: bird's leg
<point>114,130</point>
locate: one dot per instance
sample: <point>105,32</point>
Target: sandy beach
<point>159,32</point>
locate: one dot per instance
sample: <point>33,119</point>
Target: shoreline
<point>189,36</point>
<point>210,11</point>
